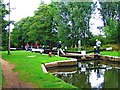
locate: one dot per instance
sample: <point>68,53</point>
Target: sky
<point>95,21</point>
<point>23,8</point>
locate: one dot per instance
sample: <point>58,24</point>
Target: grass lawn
<point>0,76</point>
<point>2,80</point>
<point>28,65</point>
<point>111,53</point>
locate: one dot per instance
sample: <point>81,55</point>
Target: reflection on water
<point>92,74</point>
<point>96,78</point>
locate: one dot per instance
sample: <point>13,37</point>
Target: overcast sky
<point>23,8</point>
<point>96,20</point>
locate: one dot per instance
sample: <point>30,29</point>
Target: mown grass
<point>2,80</point>
<point>29,69</point>
<point>111,53</point>
<point>0,76</point>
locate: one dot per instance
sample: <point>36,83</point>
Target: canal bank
<point>89,73</point>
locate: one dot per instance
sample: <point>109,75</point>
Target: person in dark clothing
<point>59,44</point>
<point>59,48</point>
<point>95,49</point>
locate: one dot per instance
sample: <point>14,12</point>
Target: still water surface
<point>93,74</point>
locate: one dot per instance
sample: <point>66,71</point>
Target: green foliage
<point>93,40</point>
<point>68,22</point>
<point>115,47</point>
<point>110,13</point>
<point>29,69</point>
<point>0,76</point>
<point>2,79</point>
<point>37,28</point>
<point>3,24</point>
<point>111,10</point>
<point>111,31</point>
<point>111,53</point>
<point>73,23</point>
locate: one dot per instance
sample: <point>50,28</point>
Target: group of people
<point>96,48</point>
<point>35,45</point>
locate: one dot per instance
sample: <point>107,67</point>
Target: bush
<point>92,41</point>
<point>4,48</point>
<point>114,46</point>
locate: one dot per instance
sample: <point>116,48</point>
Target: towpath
<point>11,77</point>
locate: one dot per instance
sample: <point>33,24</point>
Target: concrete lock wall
<point>61,63</point>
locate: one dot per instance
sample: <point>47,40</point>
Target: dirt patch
<point>11,78</point>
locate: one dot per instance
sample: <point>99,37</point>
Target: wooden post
<point>9,31</point>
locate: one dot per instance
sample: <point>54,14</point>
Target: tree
<point>109,10</point>
<point>65,21</point>
<point>111,18</point>
<point>73,22</point>
<point>111,31</point>
<point>37,28</point>
<point>45,26</point>
<point>19,35</point>
<point>3,24</point>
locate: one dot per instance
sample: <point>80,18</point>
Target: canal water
<point>96,74</point>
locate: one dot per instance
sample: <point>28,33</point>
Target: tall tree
<point>65,21</point>
<point>37,28</point>
<point>111,18</point>
<point>44,27</point>
<point>3,24</point>
<point>19,35</point>
<point>111,10</point>
<point>73,23</point>
<point>112,31</point>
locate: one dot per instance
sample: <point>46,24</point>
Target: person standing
<point>98,45</point>
<point>26,46</point>
<point>36,45</point>
<point>58,48</point>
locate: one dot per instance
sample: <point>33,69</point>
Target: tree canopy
<point>3,24</point>
<point>111,18</point>
<point>67,22</point>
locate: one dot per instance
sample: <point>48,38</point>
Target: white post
<point>83,53</point>
<point>79,45</point>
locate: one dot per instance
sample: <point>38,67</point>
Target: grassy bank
<point>0,76</point>
<point>28,65</point>
<point>111,53</point>
<point>115,47</point>
<point>2,80</point>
